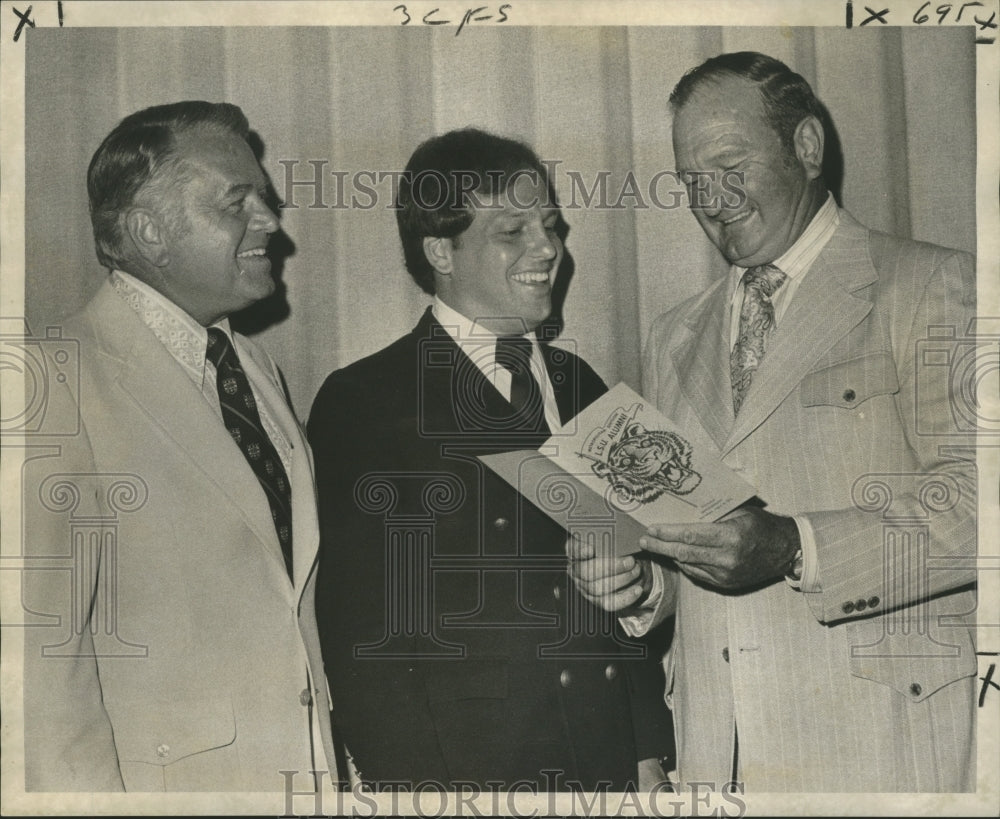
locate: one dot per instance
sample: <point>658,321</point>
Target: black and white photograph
<point>309,311</point>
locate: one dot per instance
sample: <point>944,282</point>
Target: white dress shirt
<point>480,345</point>
<point>186,341</point>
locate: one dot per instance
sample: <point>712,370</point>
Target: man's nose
<point>706,198</point>
<point>544,244</point>
<point>263,219</point>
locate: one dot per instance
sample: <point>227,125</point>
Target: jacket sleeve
<point>942,491</point>
<point>69,743</point>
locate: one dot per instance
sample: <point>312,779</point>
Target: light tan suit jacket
<point>866,685</point>
<point>172,650</point>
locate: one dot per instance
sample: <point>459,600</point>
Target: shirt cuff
<point>637,624</point>
<point>809,582</point>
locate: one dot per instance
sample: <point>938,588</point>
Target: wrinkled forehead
<point>217,154</point>
<point>719,101</point>
<point>722,116</point>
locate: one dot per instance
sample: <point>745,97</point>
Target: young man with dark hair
<point>458,651</point>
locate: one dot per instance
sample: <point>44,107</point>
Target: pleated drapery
<point>593,101</point>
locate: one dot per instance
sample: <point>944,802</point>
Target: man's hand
<point>748,547</point>
<point>613,583</point>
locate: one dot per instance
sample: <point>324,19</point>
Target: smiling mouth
<point>253,263</point>
<point>739,217</point>
<point>531,278</point>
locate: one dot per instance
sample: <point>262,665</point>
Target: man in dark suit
<point>458,653</point>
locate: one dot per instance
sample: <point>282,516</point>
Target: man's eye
<point>236,206</point>
<point>512,231</point>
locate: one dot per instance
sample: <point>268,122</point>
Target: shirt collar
<point>184,338</point>
<point>797,260</point>
<point>463,329</point>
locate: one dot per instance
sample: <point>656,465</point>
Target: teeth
<point>257,251</point>
<point>737,218</point>
<point>531,278</point>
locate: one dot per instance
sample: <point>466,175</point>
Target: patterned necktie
<point>756,321</point>
<point>514,355</point>
<point>239,413</point>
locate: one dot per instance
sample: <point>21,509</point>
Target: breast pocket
<point>185,745</point>
<point>850,383</point>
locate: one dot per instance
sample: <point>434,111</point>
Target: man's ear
<point>148,235</point>
<point>438,250</point>
<point>809,146</point>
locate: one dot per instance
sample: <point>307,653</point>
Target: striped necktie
<point>240,415</point>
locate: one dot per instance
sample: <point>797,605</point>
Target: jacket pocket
<point>850,383</point>
<point>185,745</point>
<point>910,660</point>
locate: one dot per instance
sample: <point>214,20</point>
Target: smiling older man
<point>818,648</point>
<point>178,648</point>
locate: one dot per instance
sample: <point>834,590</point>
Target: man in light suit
<point>823,636</point>
<point>457,648</point>
<point>171,539</point>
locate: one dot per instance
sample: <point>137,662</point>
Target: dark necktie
<point>514,354</point>
<point>756,321</point>
<point>239,413</point>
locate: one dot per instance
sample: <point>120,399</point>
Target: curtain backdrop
<point>347,100</point>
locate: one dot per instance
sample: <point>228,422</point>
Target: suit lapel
<point>457,398</point>
<point>151,378</point>
<point>454,394</point>
<point>823,310</point>
<point>701,361</point>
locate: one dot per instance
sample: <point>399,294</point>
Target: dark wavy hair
<point>138,157</point>
<point>434,191</point>
<point>787,97</point>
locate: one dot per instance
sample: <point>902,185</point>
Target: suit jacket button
<point>557,592</point>
<point>847,608</point>
<point>611,671</point>
<point>873,602</point>
<point>565,678</point>
<point>725,653</point>
<point>915,689</point>
<point>163,751</point>
<point>861,605</point>
<point>305,697</point>
<point>849,395</point>
<point>500,524</point>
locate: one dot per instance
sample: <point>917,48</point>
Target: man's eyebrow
<point>241,189</point>
<point>509,212</point>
